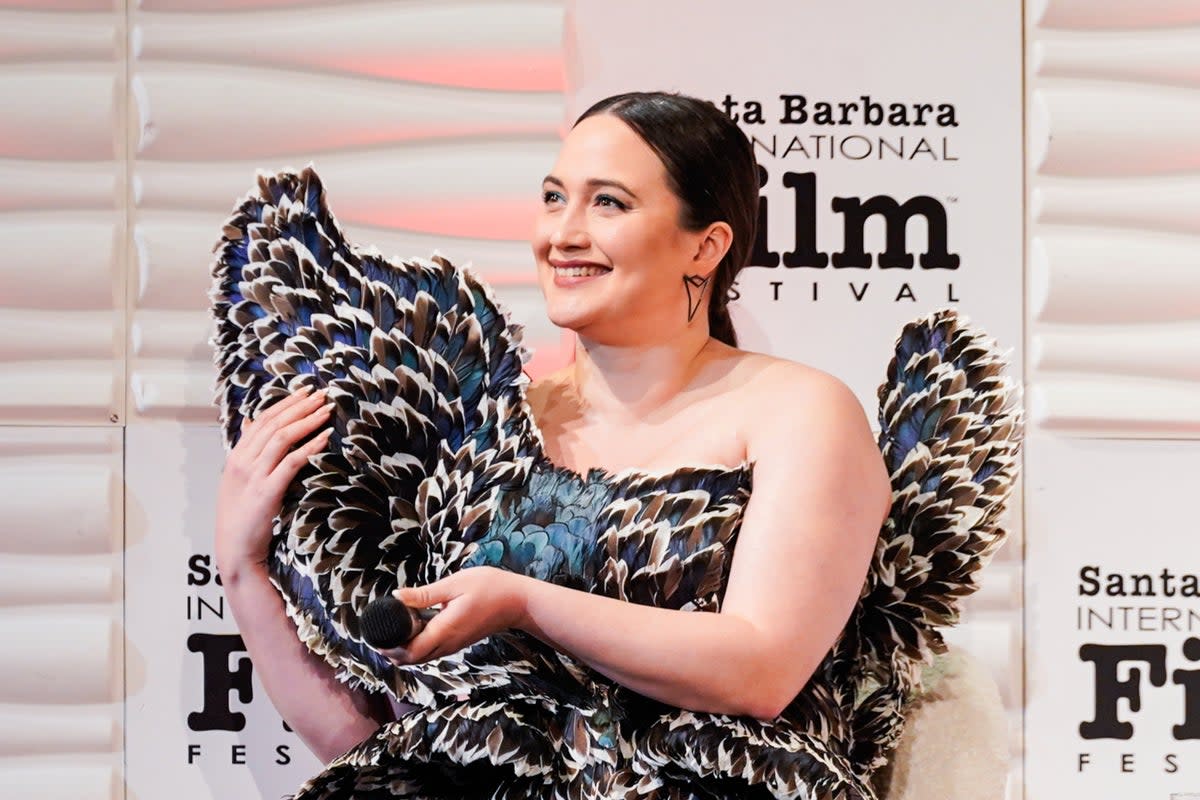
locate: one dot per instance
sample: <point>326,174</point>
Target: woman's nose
<point>570,231</point>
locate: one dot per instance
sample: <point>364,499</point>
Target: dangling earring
<point>698,283</point>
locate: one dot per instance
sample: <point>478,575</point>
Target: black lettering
<point>804,186</point>
<point>923,148</point>
<point>1084,760</point>
<point>1088,585</point>
<point>823,114</point>
<point>284,755</point>
<point>905,292</point>
<point>857,294</point>
<point>193,752</point>
<point>872,111</point>
<point>1110,689</point>
<point>762,255</point>
<point>237,754</point>
<point>1170,767</point>
<point>217,611</point>
<point>794,111</point>
<point>1189,679</point>
<point>728,105</point>
<point>1127,762</point>
<point>896,217</point>
<point>753,113</point>
<point>1168,583</point>
<point>946,116</point>
<point>198,572</point>
<point>1143,585</point>
<point>775,289</point>
<point>950,298</point>
<point>922,109</point>
<point>219,681</point>
<point>846,108</point>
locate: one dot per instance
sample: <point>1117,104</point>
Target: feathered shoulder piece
<point>425,372</point>
<point>950,433</point>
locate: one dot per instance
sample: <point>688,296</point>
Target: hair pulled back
<point>710,168</point>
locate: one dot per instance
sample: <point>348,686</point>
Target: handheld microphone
<point>386,622</point>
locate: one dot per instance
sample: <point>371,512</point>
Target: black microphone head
<point>386,623</point>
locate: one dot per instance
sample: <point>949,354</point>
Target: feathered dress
<point>436,465</point>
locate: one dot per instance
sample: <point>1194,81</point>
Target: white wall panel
<point>78,780</point>
<point>430,123</point>
<point>1166,56</point>
<point>503,43</point>
<point>1114,216</point>
<point>1098,129</point>
<point>1112,14</point>
<point>61,213</point>
<point>60,37</point>
<point>61,612</point>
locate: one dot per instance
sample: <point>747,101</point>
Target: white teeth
<point>579,272</point>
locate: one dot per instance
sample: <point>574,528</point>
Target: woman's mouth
<point>579,272</point>
<point>568,273</point>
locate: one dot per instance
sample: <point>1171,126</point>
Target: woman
<point>550,669</point>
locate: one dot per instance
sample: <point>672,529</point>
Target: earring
<point>695,281</point>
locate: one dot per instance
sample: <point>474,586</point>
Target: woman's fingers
<point>275,409</point>
<point>292,463</point>
<point>429,643</point>
<point>282,413</point>
<point>285,438</point>
<point>425,596</point>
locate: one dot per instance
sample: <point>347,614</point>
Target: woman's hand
<point>476,603</point>
<point>257,473</point>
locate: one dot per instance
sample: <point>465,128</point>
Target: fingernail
<point>328,407</point>
<point>305,389</point>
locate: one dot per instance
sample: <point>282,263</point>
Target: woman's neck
<point>629,383</point>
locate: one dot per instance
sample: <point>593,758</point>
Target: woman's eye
<point>551,196</point>
<point>610,201</point>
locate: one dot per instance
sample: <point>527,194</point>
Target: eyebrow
<point>593,183</point>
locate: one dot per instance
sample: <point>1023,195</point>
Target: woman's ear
<point>713,245</point>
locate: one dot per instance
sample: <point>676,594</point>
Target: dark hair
<point>710,168</point>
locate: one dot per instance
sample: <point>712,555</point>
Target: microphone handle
<point>387,623</point>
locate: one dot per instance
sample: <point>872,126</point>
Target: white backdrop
<point>933,52</point>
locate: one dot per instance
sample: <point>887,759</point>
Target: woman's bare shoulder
<point>779,383</point>
<point>808,426</point>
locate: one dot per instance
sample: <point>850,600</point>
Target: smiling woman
<point>569,532</point>
<point>661,191</point>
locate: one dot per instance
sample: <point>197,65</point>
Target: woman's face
<point>610,252</point>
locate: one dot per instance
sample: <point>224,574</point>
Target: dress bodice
<point>663,538</point>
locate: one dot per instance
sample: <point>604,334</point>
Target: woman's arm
<point>820,494</point>
<point>329,717</point>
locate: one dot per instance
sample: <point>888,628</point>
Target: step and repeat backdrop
<point>889,141</point>
<point>1032,165</point>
